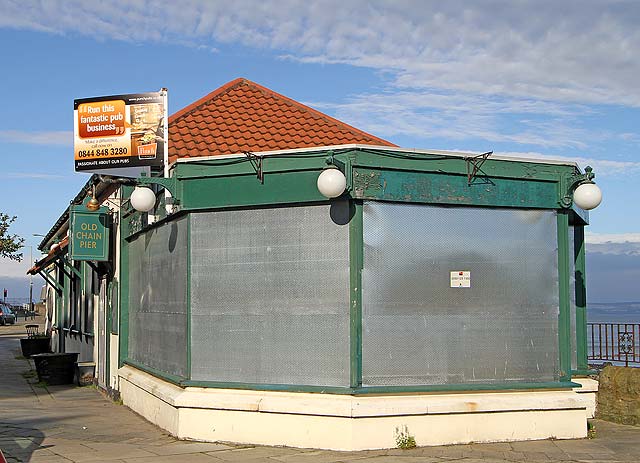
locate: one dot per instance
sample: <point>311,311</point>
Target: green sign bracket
<point>71,267</point>
<point>51,280</point>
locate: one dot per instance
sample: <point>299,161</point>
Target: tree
<point>9,244</point>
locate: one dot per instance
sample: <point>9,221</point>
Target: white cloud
<point>32,175</point>
<point>601,167</point>
<point>458,116</point>
<point>612,238</point>
<point>62,138</point>
<point>11,269</point>
<point>577,51</point>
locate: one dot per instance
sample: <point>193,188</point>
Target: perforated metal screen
<point>158,298</point>
<point>417,329</point>
<point>270,296</point>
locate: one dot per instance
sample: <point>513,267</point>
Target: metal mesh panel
<point>270,296</point>
<point>417,329</point>
<point>158,298</point>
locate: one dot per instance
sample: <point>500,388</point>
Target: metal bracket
<point>345,166</point>
<point>474,165</point>
<point>170,184</point>
<point>568,185</point>
<point>71,267</point>
<point>256,163</point>
<point>51,280</point>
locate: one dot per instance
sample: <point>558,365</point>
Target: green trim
<point>580,297</point>
<point>454,189</point>
<point>188,299</point>
<point>382,389</point>
<point>356,251</point>
<point>564,325</point>
<point>175,379</point>
<point>436,179</point>
<point>585,372</point>
<point>123,351</point>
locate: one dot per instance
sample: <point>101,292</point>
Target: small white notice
<point>461,279</point>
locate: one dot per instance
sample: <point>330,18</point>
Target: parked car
<point>7,317</point>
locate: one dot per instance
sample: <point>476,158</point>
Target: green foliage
<point>404,440</point>
<point>9,244</point>
<point>591,430</point>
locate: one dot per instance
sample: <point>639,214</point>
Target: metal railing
<point>614,342</point>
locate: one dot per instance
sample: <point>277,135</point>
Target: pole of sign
<point>165,103</point>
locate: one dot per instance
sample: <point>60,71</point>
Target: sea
<point>624,314</point>
<point>613,312</point>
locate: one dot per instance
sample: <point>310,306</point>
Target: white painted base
<point>342,422</point>
<point>588,394</point>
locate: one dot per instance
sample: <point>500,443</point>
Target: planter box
<point>56,368</point>
<point>85,373</point>
<point>31,346</point>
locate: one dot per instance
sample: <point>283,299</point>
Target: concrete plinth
<point>344,422</point>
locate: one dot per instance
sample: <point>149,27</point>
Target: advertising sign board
<point>89,234</point>
<point>120,131</point>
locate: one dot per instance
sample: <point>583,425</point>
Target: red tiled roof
<point>244,116</point>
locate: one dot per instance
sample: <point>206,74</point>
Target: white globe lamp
<point>331,183</point>
<point>587,196</point>
<point>143,199</point>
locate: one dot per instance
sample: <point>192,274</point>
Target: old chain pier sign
<point>89,234</point>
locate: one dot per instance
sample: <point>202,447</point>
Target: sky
<point>522,78</point>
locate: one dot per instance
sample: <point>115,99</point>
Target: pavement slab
<point>75,425</point>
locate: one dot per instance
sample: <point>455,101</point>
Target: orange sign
<point>101,119</point>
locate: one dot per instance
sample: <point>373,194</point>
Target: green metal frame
<point>564,324</point>
<point>216,184</point>
<point>356,248</point>
<point>581,302</point>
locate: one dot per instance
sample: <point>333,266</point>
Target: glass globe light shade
<point>143,199</point>
<point>331,183</point>
<point>587,196</point>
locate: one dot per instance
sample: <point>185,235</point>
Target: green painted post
<point>564,326</point>
<point>356,250</point>
<point>123,351</point>
<point>581,298</point>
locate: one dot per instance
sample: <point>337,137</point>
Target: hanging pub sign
<point>120,131</point>
<point>89,234</point>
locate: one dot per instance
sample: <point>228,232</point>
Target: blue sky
<point>529,79</point>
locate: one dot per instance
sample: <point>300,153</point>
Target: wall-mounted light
<point>582,191</point>
<point>587,196</point>
<point>143,199</point>
<point>332,182</point>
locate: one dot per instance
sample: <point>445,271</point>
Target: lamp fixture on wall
<point>583,191</point>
